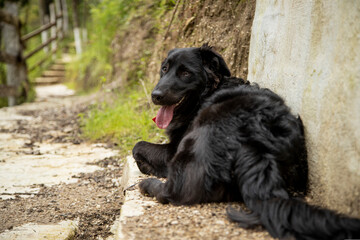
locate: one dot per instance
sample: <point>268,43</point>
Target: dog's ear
<point>214,64</point>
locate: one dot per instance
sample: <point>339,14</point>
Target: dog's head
<point>185,76</point>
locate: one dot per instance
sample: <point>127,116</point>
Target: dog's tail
<point>292,218</point>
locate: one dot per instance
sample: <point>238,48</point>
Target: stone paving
<point>25,165</point>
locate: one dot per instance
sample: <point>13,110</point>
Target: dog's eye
<point>164,69</point>
<point>185,74</point>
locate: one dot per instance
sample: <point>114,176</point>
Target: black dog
<point>230,140</point>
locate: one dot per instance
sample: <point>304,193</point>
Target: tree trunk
<point>77,35</point>
<point>65,16</point>
<point>83,25</point>
<point>15,73</point>
<point>53,28</point>
<point>59,21</point>
<point>44,19</point>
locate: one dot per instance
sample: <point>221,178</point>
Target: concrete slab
<point>44,163</point>
<point>133,204</point>
<point>60,231</point>
<point>24,163</point>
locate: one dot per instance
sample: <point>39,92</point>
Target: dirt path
<point>48,174</point>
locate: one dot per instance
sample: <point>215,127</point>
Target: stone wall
<point>309,53</point>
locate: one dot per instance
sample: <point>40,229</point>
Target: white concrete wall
<point>309,53</point>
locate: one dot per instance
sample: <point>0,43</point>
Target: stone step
<point>53,73</point>
<point>57,67</point>
<point>48,80</point>
<point>133,205</point>
<point>62,60</point>
<point>67,58</point>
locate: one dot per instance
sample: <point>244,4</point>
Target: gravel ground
<point>95,200</point>
<point>204,221</point>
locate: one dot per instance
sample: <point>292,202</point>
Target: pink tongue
<point>164,116</point>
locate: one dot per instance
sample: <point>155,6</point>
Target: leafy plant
<point>127,119</point>
<point>107,17</point>
<point>123,121</point>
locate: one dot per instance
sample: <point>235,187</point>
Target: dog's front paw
<point>138,150</point>
<point>140,156</point>
<point>149,187</point>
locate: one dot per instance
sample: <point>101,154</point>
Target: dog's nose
<point>157,95</point>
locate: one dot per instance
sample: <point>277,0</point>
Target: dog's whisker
<point>182,99</point>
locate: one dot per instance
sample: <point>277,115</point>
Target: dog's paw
<point>138,149</point>
<point>149,187</point>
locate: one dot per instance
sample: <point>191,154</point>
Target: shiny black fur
<point>232,141</point>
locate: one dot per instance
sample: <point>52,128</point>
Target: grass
<point>94,66</point>
<point>109,19</point>
<point>124,121</point>
<point>127,119</point>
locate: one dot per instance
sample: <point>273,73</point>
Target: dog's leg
<point>188,181</point>
<point>152,158</point>
<point>153,187</point>
<point>183,187</point>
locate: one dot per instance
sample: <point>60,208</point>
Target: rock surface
<point>30,231</point>
<point>308,52</point>
<point>53,185</point>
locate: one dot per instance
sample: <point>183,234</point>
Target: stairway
<point>49,85</point>
<point>55,74</point>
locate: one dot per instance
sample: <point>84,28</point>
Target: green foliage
<point>127,119</point>
<point>95,63</point>
<point>108,19</point>
<point>124,121</point>
<point>140,65</point>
